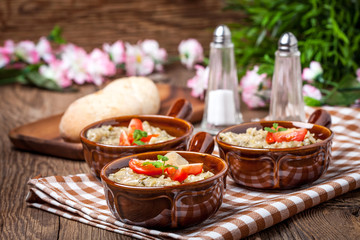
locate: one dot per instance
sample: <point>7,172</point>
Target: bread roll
<point>125,96</point>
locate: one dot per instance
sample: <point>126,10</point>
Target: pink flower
<point>99,65</point>
<point>55,71</point>
<point>26,51</point>
<point>255,88</point>
<point>9,46</point>
<point>311,91</point>
<point>75,59</point>
<point>358,74</point>
<point>4,57</point>
<point>6,53</point>
<point>310,74</point>
<point>191,52</point>
<point>199,82</point>
<point>252,78</point>
<point>137,62</point>
<point>44,50</point>
<point>152,49</point>
<point>252,99</point>
<point>116,51</point>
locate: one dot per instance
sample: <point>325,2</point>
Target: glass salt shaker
<point>286,102</point>
<point>222,106</point>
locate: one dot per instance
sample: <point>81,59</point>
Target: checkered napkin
<point>243,212</point>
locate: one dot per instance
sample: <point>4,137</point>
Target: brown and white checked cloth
<point>243,212</point>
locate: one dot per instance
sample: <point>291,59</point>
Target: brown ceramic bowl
<point>97,155</point>
<point>279,168</point>
<point>170,206</point>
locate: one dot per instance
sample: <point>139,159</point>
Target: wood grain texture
<point>338,218</point>
<point>91,23</point>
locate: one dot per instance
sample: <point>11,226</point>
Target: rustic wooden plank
<point>75,230</point>
<point>334,219</point>
<point>16,219</point>
<point>91,23</point>
<point>20,104</point>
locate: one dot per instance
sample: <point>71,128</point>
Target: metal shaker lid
<point>288,43</point>
<point>222,35</point>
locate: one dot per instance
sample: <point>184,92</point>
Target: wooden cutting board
<point>43,136</point>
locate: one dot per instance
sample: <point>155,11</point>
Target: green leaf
<point>4,81</point>
<point>206,61</point>
<point>22,79</point>
<point>347,91</point>
<point>162,158</point>
<point>38,80</point>
<point>138,142</point>
<point>156,164</point>
<point>312,102</point>
<point>8,76</point>
<point>275,128</point>
<point>348,81</point>
<point>160,163</point>
<point>55,35</point>
<point>338,31</point>
<point>139,134</point>
<point>275,19</point>
<point>268,59</point>
<point>266,68</point>
<point>342,99</point>
<point>269,129</point>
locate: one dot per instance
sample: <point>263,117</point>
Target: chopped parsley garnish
<point>160,163</point>
<point>275,128</point>
<point>138,135</point>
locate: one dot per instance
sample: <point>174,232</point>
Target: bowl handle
<point>320,117</point>
<point>202,142</point>
<point>181,108</point>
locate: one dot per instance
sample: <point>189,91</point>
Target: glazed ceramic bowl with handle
<point>97,155</point>
<point>177,206</point>
<point>279,168</point>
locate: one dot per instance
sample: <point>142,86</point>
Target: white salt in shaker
<point>286,102</point>
<point>222,106</point>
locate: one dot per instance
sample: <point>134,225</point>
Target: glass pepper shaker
<point>286,102</point>
<point>222,106</point>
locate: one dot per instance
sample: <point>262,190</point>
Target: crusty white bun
<point>124,96</point>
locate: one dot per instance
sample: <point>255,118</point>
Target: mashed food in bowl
<point>169,170</point>
<point>275,137</point>
<point>124,136</point>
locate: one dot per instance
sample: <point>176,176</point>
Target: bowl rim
<point>106,179</point>
<point>228,145</point>
<point>85,140</point>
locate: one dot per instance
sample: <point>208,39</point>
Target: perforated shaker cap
<point>222,35</point>
<point>288,43</point>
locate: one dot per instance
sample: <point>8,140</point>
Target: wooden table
<point>336,219</point>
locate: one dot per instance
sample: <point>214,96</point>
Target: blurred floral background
<point>328,32</point>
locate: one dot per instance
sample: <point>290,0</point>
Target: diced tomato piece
<point>134,124</point>
<point>290,135</point>
<point>184,171</point>
<point>131,139</point>
<point>148,138</point>
<point>124,140</point>
<point>149,169</point>
<point>269,138</point>
<point>170,171</point>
